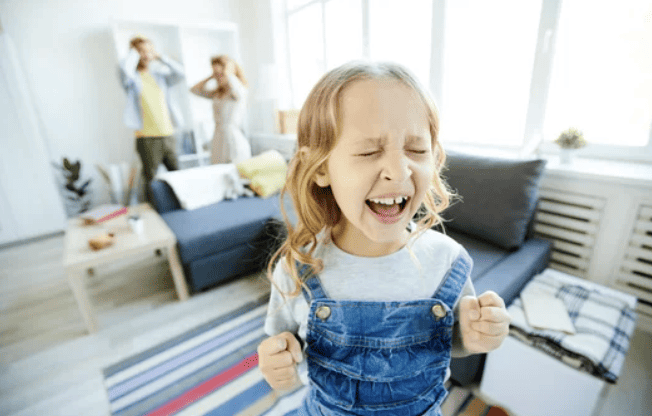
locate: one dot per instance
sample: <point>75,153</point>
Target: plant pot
<point>566,156</point>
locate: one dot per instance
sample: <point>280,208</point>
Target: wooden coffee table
<point>79,259</point>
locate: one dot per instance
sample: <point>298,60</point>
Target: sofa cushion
<point>266,162</point>
<point>163,197</point>
<point>498,197</point>
<point>484,255</point>
<point>221,226</point>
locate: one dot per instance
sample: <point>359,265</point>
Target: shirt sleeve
<point>176,73</point>
<point>201,91</point>
<point>128,69</point>
<point>238,91</point>
<point>458,349</point>
<point>467,290</point>
<point>279,310</point>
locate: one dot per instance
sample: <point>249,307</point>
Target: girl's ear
<point>321,176</point>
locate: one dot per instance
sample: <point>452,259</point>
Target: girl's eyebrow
<point>378,141</point>
<point>415,139</point>
<point>370,141</point>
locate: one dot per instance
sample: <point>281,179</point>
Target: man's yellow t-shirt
<point>156,116</point>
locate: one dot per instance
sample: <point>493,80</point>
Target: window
<point>324,34</point>
<point>489,50</point>
<point>343,31</point>
<point>400,31</point>
<point>602,73</point>
<point>306,44</point>
<point>505,73</point>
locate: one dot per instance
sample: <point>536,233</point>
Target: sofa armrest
<point>163,197</point>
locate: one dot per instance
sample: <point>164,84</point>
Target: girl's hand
<point>277,357</point>
<point>484,322</point>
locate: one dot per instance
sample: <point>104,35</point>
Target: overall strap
<point>451,288</point>
<point>315,291</point>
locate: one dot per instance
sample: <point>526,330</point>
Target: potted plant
<point>569,141</point>
<point>76,191</point>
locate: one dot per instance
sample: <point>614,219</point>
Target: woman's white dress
<point>229,143</point>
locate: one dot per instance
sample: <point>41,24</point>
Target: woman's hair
<point>137,40</point>
<point>224,60</point>
<point>319,126</point>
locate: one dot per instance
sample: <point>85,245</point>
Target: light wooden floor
<point>49,365</point>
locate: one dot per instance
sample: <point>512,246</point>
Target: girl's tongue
<point>384,210</point>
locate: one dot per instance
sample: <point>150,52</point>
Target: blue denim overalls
<point>380,358</point>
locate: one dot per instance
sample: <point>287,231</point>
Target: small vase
<point>566,156</point>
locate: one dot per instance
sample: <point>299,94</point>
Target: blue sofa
<point>220,241</point>
<point>492,221</point>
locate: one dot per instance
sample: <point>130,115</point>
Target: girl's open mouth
<point>388,210</point>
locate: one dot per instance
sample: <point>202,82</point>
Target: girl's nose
<point>395,167</point>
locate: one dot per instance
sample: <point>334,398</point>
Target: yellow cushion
<point>267,162</point>
<point>266,172</point>
<point>266,184</point>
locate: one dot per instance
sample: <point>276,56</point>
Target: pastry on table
<point>101,241</point>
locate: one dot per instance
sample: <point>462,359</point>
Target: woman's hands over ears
<point>277,359</point>
<point>484,322</point>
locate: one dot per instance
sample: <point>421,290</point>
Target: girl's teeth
<point>389,201</point>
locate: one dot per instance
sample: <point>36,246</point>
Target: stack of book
<point>103,213</point>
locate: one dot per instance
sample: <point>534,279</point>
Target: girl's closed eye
<point>417,145</point>
<point>368,153</point>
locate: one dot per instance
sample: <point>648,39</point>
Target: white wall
<point>66,50</point>
<point>29,202</point>
<point>260,53</point>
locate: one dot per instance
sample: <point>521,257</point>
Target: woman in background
<point>229,109</point>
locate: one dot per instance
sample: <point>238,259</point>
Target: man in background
<point>151,110</point>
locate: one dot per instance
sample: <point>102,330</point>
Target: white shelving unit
<point>192,46</point>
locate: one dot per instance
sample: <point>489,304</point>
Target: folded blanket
<point>205,185</point>
<point>603,325</point>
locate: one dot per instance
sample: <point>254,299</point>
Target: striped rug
<point>213,370</point>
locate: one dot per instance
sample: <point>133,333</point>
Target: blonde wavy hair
<point>224,61</point>
<point>318,128</point>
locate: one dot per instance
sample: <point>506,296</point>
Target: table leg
<point>177,273</point>
<point>76,283</point>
